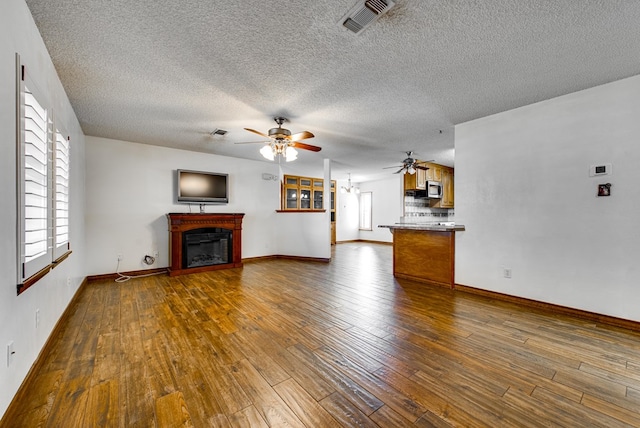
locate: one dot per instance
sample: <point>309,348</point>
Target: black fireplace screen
<point>206,247</point>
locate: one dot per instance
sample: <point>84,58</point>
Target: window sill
<point>40,274</point>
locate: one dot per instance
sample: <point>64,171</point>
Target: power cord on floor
<point>124,278</point>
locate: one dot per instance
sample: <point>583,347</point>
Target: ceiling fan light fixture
<point>267,152</point>
<point>281,142</point>
<point>279,148</point>
<point>411,170</point>
<point>290,154</point>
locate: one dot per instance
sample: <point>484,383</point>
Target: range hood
<point>420,194</point>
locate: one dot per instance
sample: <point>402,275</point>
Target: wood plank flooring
<point>294,343</point>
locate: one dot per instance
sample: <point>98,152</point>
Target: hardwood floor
<point>292,343</point>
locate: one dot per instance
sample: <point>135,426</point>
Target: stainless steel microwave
<point>434,189</point>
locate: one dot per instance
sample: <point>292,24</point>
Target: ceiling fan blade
<point>303,146</point>
<point>257,132</point>
<point>420,167</point>
<point>399,171</point>
<point>301,135</point>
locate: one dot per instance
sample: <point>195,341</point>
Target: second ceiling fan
<point>282,143</point>
<point>410,165</point>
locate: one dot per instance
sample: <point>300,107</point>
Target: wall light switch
<point>601,169</point>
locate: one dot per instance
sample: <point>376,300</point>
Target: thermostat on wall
<point>602,169</point>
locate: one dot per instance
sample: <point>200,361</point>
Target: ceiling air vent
<point>364,14</point>
<point>218,131</point>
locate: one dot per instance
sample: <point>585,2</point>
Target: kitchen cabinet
<point>417,181</point>
<point>447,188</point>
<point>434,173</point>
<point>425,253</point>
<point>440,173</point>
<point>305,194</point>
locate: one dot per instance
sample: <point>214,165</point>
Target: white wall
<point>347,213</point>
<point>387,201</point>
<point>18,34</point>
<point>305,234</point>
<point>130,189</point>
<point>524,193</point>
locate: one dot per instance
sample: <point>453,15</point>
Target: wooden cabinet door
<point>410,182</point>
<point>434,173</point>
<point>421,179</point>
<point>447,188</point>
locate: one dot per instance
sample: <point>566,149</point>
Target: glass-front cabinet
<point>291,190</point>
<point>318,190</point>
<point>306,193</point>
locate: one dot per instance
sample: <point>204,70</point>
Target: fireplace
<point>206,247</point>
<point>202,242</point>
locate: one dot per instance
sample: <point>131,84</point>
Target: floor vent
<point>364,14</point>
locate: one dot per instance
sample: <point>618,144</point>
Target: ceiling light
<point>349,188</point>
<point>279,147</point>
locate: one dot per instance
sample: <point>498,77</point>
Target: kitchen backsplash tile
<point>418,209</point>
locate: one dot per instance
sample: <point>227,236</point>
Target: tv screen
<point>198,187</point>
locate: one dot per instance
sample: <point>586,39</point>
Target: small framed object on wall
<point>604,189</point>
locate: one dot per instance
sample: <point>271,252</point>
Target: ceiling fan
<point>282,143</point>
<point>410,165</point>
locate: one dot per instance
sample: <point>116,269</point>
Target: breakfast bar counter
<point>425,252</point>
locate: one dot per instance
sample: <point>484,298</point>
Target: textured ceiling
<point>169,72</point>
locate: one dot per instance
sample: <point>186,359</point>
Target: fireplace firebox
<point>202,242</point>
<point>206,247</point>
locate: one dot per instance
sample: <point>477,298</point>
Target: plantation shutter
<point>61,209</point>
<point>36,152</point>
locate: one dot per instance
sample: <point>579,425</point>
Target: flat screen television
<point>199,187</point>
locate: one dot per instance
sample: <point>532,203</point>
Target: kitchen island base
<point>425,256</point>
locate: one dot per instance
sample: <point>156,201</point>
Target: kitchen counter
<point>443,227</point>
<point>425,252</point>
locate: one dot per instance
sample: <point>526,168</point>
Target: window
<point>43,186</point>
<point>365,210</point>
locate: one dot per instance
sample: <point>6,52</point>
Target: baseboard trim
<point>552,307</point>
<point>282,256</point>
<point>369,241</point>
<point>39,361</point>
<point>115,276</point>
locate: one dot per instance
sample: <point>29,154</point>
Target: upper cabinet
<point>447,188</point>
<point>436,172</point>
<point>417,181</point>
<point>305,194</point>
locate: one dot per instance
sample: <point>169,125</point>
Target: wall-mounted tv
<point>199,187</point>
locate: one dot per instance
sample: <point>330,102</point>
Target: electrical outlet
<point>119,257</point>
<point>37,318</point>
<point>507,272</point>
<point>10,353</point>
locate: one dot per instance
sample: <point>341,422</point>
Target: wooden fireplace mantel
<point>182,222</point>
